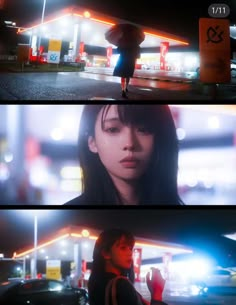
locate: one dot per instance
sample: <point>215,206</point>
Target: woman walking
<point>125,66</point>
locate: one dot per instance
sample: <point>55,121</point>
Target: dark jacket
<point>125,292</point>
<point>86,200</point>
<point>80,200</point>
<point>126,62</point>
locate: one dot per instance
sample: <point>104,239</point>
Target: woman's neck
<point>128,191</point>
<point>112,269</point>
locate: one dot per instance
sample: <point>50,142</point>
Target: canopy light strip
<point>162,247</point>
<point>166,38</point>
<point>40,246</point>
<point>39,24</point>
<point>94,237</point>
<point>107,22</point>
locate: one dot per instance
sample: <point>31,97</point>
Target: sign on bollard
<point>23,52</point>
<point>54,51</point>
<point>214,47</point>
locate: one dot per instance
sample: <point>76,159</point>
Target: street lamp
<point>78,48</point>
<point>34,273</point>
<point>11,24</point>
<point>42,21</point>
<point>35,214</point>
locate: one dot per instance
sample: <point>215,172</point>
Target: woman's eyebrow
<point>111,119</point>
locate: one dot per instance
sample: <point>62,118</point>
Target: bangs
<point>137,115</point>
<point>113,236</point>
<point>127,239</point>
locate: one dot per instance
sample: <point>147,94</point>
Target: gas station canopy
<point>60,246</point>
<point>92,26</point>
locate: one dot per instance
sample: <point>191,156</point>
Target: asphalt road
<point>226,298</point>
<point>91,86</point>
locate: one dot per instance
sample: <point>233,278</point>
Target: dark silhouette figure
<point>125,66</point>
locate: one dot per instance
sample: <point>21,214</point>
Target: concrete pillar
<point>78,45</point>
<point>166,259</point>
<point>15,135</point>
<point>32,268</point>
<point>34,45</point>
<point>24,267</point>
<point>3,119</point>
<point>78,262</point>
<point>75,41</point>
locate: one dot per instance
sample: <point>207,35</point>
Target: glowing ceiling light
<point>213,122</point>
<point>87,14</point>
<point>181,133</point>
<point>15,255</point>
<point>85,245</point>
<point>57,134</point>
<point>8,157</point>
<point>85,233</point>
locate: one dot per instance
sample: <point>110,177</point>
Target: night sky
<point>198,228</point>
<point>177,17</point>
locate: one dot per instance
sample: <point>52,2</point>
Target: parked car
<point>221,277</point>
<point>233,64</point>
<point>233,67</point>
<point>41,292</point>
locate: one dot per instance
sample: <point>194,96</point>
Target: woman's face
<point>124,150</point>
<point>120,256</point>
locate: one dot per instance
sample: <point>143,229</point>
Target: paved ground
<point>95,85</point>
<point>213,299</point>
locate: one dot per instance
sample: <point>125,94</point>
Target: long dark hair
<point>159,183</point>
<point>105,242</point>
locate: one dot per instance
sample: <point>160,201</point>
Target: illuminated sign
<point>137,259</point>
<point>214,47</point>
<point>53,269</point>
<point>54,51</point>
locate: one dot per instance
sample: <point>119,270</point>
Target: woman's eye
<point>144,130</point>
<point>112,129</point>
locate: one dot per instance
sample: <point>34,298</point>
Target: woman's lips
<point>129,162</point>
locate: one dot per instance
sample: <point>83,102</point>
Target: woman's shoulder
<point>122,283</point>
<point>125,291</point>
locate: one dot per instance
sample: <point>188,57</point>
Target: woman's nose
<point>129,147</point>
<point>129,140</point>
